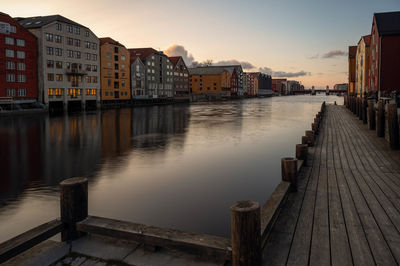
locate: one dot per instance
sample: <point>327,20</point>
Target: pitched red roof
<point>352,51</point>
<point>109,40</point>
<point>174,59</point>
<point>367,39</point>
<point>141,53</point>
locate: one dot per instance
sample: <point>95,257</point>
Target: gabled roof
<point>214,70</point>
<point>175,59</point>
<point>367,39</point>
<point>38,22</point>
<point>352,51</point>
<point>110,41</point>
<point>141,53</point>
<point>388,23</point>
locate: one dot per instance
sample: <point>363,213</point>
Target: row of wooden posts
<point>243,248</point>
<point>380,116</point>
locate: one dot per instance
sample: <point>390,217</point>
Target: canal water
<point>177,166</point>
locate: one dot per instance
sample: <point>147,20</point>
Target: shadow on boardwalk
<point>346,210</point>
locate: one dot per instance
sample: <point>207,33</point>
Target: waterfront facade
<point>362,65</point>
<point>181,78</point>
<point>18,59</point>
<point>385,52</point>
<point>352,69</point>
<point>279,86</point>
<point>210,82</point>
<point>68,62</point>
<point>115,70</point>
<point>151,74</point>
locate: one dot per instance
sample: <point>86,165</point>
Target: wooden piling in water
<point>304,140</point>
<point>73,206</point>
<point>302,152</point>
<point>311,137</point>
<point>371,115</point>
<point>393,126</point>
<point>380,120</point>
<point>246,233</point>
<point>289,171</point>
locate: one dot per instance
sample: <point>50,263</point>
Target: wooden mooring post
<point>393,126</point>
<point>289,171</point>
<point>302,152</point>
<point>360,108</point>
<point>364,104</point>
<point>246,233</point>
<point>380,120</point>
<point>73,206</point>
<point>311,137</point>
<point>371,115</point>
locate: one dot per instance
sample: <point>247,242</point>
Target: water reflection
<point>177,166</point>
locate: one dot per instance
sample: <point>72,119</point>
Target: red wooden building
<point>279,86</point>
<point>385,52</point>
<point>18,63</point>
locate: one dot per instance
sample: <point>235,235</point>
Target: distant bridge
<point>320,91</point>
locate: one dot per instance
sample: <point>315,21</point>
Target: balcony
<point>76,70</point>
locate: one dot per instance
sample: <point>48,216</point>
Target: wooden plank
<point>201,244</point>
<point>27,240</point>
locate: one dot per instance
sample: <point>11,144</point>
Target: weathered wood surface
<point>25,241</point>
<point>201,244</point>
<point>347,208</point>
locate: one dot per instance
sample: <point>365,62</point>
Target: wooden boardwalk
<point>347,207</point>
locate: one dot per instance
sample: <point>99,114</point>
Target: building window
<point>68,65</point>
<point>58,51</point>
<point>9,41</point>
<point>50,63</point>
<point>20,54</point>
<point>87,56</point>
<point>109,55</point>
<point>109,73</point>
<point>50,77</point>
<point>77,42</point>
<point>116,49</point>
<point>87,79</point>
<point>70,53</point>
<point>58,64</point>
<point>21,92</point>
<point>115,57</point>
<point>106,93</point>
<point>94,57</point>
<point>86,33</point>
<point>123,83</point>
<point>116,84</point>
<point>10,65</point>
<point>49,50</point>
<point>58,26</point>
<point>77,54</point>
<point>94,46</point>
<point>49,37</point>
<point>70,41</point>
<point>108,82</point>
<point>21,66</point>
<point>87,44</point>
<point>94,68</point>
<point>10,77</point>
<point>10,92</point>
<point>50,92</point>
<point>59,77</point>
<point>122,66</point>
<point>9,53</point>
<point>77,31</point>
<point>116,66</point>
<point>88,67</point>
<point>58,39</point>
<point>109,64</point>
<point>123,57</point>
<point>94,79</point>
<point>21,78</point>
<point>13,29</point>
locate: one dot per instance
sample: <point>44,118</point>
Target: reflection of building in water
<point>116,135</point>
<point>151,126</point>
<point>42,151</point>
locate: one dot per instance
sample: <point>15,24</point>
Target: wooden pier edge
<point>29,239</point>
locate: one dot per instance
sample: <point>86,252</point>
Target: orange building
<point>352,69</point>
<point>114,71</point>
<point>210,81</point>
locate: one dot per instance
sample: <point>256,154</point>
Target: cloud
<point>283,74</point>
<point>179,50</point>
<point>314,56</point>
<point>334,53</point>
<point>244,64</point>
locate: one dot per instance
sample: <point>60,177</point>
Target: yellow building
<point>210,81</point>
<point>352,69</point>
<point>115,69</point>
<point>362,63</point>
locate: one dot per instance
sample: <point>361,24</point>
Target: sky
<point>304,40</point>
